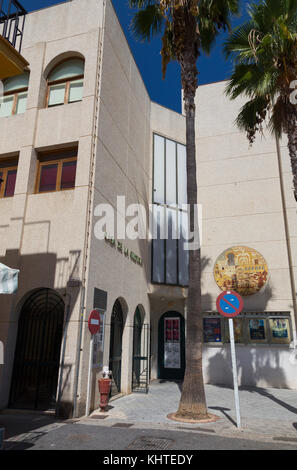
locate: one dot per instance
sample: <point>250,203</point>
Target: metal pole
<point>234,369</point>
<point>88,404</point>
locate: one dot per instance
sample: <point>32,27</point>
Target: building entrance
<point>37,354</point>
<point>171,351</point>
<point>115,352</point>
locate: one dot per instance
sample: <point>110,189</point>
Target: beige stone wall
<point>240,191</point>
<point>44,234</point>
<point>239,188</point>
<point>122,168</point>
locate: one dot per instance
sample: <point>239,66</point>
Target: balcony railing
<point>12,22</point>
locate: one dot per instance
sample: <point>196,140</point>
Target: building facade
<point>78,132</point>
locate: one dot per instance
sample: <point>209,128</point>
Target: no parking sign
<point>230,304</point>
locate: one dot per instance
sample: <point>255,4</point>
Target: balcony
<point>12,22</point>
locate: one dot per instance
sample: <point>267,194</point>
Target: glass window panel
<point>76,91</point>
<point>21,103</point>
<point>16,83</point>
<point>68,69</point>
<point>56,94</point>
<point>68,175</point>
<point>171,247</point>
<point>159,168</point>
<point>6,105</point>
<point>182,174</point>
<point>170,172</point>
<point>158,244</point>
<point>183,253</point>
<point>48,178</point>
<point>10,183</point>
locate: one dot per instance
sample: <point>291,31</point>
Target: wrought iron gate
<point>115,352</point>
<point>140,373</point>
<point>37,354</point>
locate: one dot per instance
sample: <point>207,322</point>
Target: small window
<point>65,83</point>
<point>8,173</point>
<point>14,100</point>
<point>57,172</point>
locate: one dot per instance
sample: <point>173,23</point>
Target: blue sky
<point>166,92</point>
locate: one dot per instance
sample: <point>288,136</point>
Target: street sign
<point>94,322</point>
<point>229,304</point>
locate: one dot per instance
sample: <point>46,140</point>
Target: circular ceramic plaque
<point>241,269</point>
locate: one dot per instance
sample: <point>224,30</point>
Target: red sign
<point>94,322</point>
<point>229,304</point>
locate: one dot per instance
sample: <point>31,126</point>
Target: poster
<point>257,330</point>
<point>212,330</point>
<point>98,344</point>
<point>238,330</point>
<point>172,343</point>
<point>279,328</point>
<point>172,355</point>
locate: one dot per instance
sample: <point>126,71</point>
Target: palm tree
<point>187,27</point>
<point>264,51</point>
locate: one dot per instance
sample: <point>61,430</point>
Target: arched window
<point>14,100</point>
<point>65,83</point>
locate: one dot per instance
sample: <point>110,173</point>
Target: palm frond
<point>147,22</point>
<point>251,116</point>
<point>251,81</point>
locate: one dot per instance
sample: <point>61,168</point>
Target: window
<point>8,173</point>
<point>65,83</point>
<point>14,100</point>
<point>56,171</point>
<point>170,218</point>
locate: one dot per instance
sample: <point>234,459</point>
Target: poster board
<point>172,352</point>
<point>212,332</point>
<point>98,346</point>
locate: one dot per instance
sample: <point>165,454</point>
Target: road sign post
<point>230,304</point>
<point>234,369</point>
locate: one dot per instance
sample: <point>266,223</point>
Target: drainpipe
<point>286,224</point>
<point>89,215</point>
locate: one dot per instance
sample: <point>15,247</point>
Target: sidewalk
<point>268,418</point>
<point>266,414</point>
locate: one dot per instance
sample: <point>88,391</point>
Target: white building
<point>78,130</point>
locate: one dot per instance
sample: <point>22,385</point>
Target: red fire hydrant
<point>104,385</point>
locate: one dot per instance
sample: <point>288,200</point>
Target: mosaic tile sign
<point>241,269</point>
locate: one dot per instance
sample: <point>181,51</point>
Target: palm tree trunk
<point>292,143</point>
<point>192,404</point>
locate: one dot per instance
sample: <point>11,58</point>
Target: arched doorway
<point>171,346</point>
<point>140,364</point>
<point>137,337</point>
<point>37,354</point>
<point>115,351</point>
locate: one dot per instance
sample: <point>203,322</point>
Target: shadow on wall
<point>38,271</point>
<point>256,364</point>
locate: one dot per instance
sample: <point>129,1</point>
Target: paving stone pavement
<point>266,414</point>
